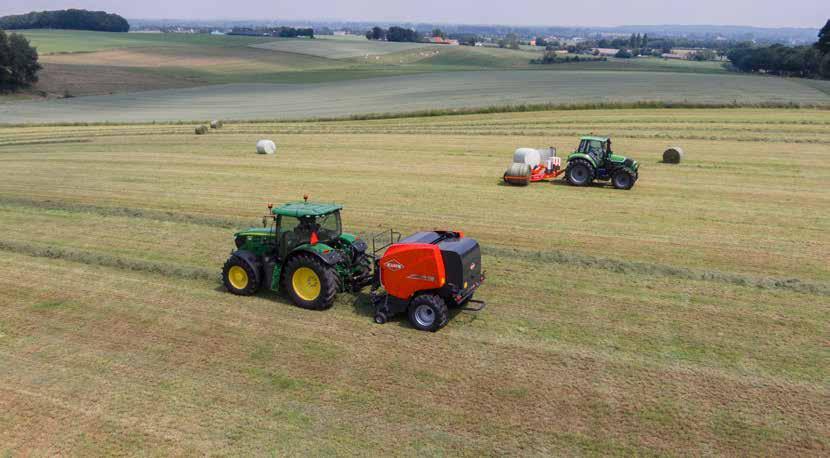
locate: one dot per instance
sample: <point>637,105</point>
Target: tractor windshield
<point>329,226</point>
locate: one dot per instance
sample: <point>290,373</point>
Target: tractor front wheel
<point>239,277</point>
<point>310,283</point>
<point>428,312</point>
<point>580,173</point>
<point>623,179</point>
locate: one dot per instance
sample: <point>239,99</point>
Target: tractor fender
<point>325,253</point>
<point>586,157</point>
<point>251,259</point>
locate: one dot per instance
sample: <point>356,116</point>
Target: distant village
<point>586,44</point>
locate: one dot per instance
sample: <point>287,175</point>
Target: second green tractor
<point>594,160</point>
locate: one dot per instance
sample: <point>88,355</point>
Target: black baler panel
<point>462,261</point>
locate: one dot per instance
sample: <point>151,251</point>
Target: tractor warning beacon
<point>302,251</point>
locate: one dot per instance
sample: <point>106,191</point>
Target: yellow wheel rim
<point>238,277</point>
<point>306,284</point>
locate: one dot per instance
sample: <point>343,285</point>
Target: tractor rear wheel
<point>310,283</point>
<point>428,312</point>
<point>580,172</point>
<point>623,179</point>
<point>240,277</point>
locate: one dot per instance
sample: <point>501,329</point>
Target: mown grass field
<point>451,90</point>
<point>687,316</point>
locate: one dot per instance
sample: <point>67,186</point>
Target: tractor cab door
<point>289,234</point>
<point>594,148</point>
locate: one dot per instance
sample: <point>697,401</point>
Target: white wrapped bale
<point>216,124</point>
<point>266,147</point>
<point>529,156</point>
<point>518,174</point>
<point>673,155</point>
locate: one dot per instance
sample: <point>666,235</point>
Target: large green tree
<point>18,62</point>
<point>823,43</point>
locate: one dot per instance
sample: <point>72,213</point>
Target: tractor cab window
<point>329,226</point>
<point>595,147</point>
<point>287,223</point>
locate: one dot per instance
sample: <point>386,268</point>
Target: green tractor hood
<point>624,161</point>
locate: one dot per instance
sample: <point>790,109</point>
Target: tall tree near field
<point>823,43</point>
<point>18,62</point>
<point>644,41</point>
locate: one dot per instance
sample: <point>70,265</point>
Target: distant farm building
<point>443,41</point>
<point>674,56</point>
<point>607,52</point>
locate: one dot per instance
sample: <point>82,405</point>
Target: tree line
<point>394,33</point>
<point>18,62</point>
<point>802,61</point>
<point>66,19</point>
<point>283,32</point>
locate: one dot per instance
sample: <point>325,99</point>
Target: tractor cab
<point>597,147</point>
<point>301,223</point>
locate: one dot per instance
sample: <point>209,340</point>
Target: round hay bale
<point>216,124</point>
<point>518,174</point>
<point>266,147</point>
<point>529,156</point>
<point>201,130</point>
<point>673,155</point>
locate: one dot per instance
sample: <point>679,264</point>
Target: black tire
<point>623,179</point>
<point>380,318</point>
<point>240,277</point>
<point>326,278</point>
<point>428,312</point>
<point>580,172</point>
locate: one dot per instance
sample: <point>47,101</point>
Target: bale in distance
<point>673,155</point>
<point>266,147</point>
<point>201,130</point>
<point>518,174</point>
<point>216,124</point>
<point>529,156</point>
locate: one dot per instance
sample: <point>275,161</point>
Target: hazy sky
<point>763,13</point>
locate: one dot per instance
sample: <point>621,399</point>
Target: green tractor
<point>302,250</point>
<point>594,160</point>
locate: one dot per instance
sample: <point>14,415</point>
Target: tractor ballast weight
<point>425,274</point>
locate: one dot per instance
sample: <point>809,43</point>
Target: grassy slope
<point>75,41</point>
<point>685,316</point>
<point>415,92</point>
<point>74,60</point>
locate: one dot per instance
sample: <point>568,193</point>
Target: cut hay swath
<point>673,155</point>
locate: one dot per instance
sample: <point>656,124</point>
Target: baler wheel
<point>310,283</point>
<point>428,312</point>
